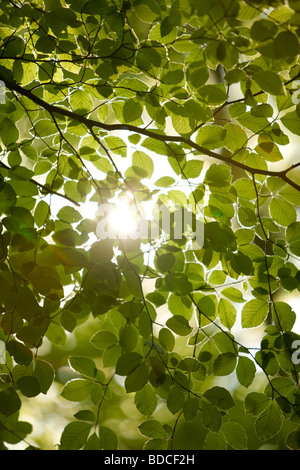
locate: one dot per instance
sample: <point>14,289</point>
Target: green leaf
<point>212,94</point>
<point>290,194</point>
<point>293,440</point>
<point>256,403</point>
<point>45,128</point>
<point>207,305</point>
<point>147,12</point>
<point>46,44</point>
<point>178,197</point>
<point>132,110</point>
<point>8,132</point>
<point>75,435</point>
<point>44,373</point>
<point>77,390</point>
<point>165,262</point>
<point>181,124</point>
<point>245,188</point>
<point>192,168</point>
<point>235,138</point>
<point>254,313</point>
<point>190,408</point>
<point>93,443</point>
<point>26,72</point>
<point>130,309</point>
<point>22,429</point>
<point>269,151</point>
<point>21,354</point>
<point>29,386</point>
<point>142,164</point>
<point>81,102</point>
<point>10,402</point>
<point>254,125</point>
<point>224,364</point>
<point>292,122</point>
<point>156,444</point>
<point>128,363</point>
<point>262,110</point>
<point>263,29</point>
<point>69,214</point>
<point>165,182</point>
<point>282,386</point>
<point>30,335</point>
<point>235,435</point>
<point>218,175</point>
<point>133,283</point>
<point>245,371</point>
<point>137,379</point>
<point>116,145</point>
<point>68,321</point>
<point>189,364</point>
<point>41,213</point>
<point>129,338</point>
<point>175,400</point>
<point>108,438</point>
<point>179,325</point>
<point>180,306</point>
<point>67,237</point>
<point>294,5</point>
<point>227,312</point>
<point>293,237</point>
<point>111,356</point>
<point>269,82</point>
<point>7,197</point>
<point>247,217</point>
<point>233,294</point>
<point>217,277</point>
<point>172,77</point>
<point>153,428</point>
<point>155,145</point>
<point>104,340</point>
<point>66,16</point>
<point>219,397</point>
<point>286,44</point>
<point>283,316</point>
<point>83,365</point>
<point>211,137</point>
<point>215,441</point>
<point>211,417</point>
<point>146,400</point>
<point>179,284</point>
<point>166,339</point>
<point>269,423</point>
<point>282,212</point>
<point>85,415</point>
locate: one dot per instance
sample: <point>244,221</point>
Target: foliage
<point>183,102</point>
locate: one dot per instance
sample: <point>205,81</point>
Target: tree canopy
<point>149,343</point>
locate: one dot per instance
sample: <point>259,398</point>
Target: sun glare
<point>123,220</point>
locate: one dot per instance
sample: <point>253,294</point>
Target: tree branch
<point>90,123</point>
<point>44,188</point>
